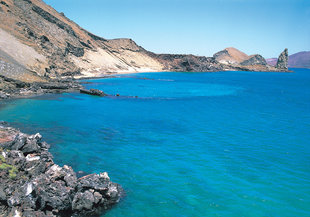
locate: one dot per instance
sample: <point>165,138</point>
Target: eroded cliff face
<point>38,43</point>
<point>46,42</point>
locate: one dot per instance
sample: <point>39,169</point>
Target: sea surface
<point>191,144</point>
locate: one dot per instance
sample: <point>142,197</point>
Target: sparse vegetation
<point>2,159</point>
<point>4,166</point>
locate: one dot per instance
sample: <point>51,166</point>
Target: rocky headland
<point>31,184</point>
<point>12,88</point>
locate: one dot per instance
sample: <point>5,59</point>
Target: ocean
<point>185,144</point>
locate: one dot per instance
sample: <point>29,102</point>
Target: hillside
<point>297,60</point>
<point>50,44</point>
<point>230,56</point>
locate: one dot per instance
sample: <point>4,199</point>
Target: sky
<point>199,27</point>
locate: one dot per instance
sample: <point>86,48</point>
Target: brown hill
<point>230,56</point>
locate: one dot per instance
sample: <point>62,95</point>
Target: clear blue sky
<point>200,27</point>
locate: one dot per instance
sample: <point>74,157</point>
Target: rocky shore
<point>11,88</point>
<point>31,184</point>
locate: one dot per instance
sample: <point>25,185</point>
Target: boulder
<point>83,200</point>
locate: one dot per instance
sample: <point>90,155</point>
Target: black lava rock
<point>31,184</point>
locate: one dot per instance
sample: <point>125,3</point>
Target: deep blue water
<point>192,144</point>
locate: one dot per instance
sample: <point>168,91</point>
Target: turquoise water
<point>192,144</point>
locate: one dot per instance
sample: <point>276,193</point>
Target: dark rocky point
<point>12,88</point>
<point>31,184</point>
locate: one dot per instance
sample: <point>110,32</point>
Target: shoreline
<point>68,84</point>
<point>115,74</point>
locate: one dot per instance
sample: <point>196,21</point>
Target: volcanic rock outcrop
<point>13,88</point>
<point>254,60</point>
<point>283,60</point>
<point>31,184</point>
<point>93,92</point>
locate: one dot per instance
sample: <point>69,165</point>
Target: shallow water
<point>191,144</point>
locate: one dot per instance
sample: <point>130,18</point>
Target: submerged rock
<point>93,92</point>
<point>282,62</point>
<point>31,184</point>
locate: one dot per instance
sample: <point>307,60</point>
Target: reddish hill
<point>230,55</point>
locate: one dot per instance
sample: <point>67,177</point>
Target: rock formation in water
<point>282,62</point>
<point>31,184</point>
<point>297,60</point>
<point>93,92</point>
